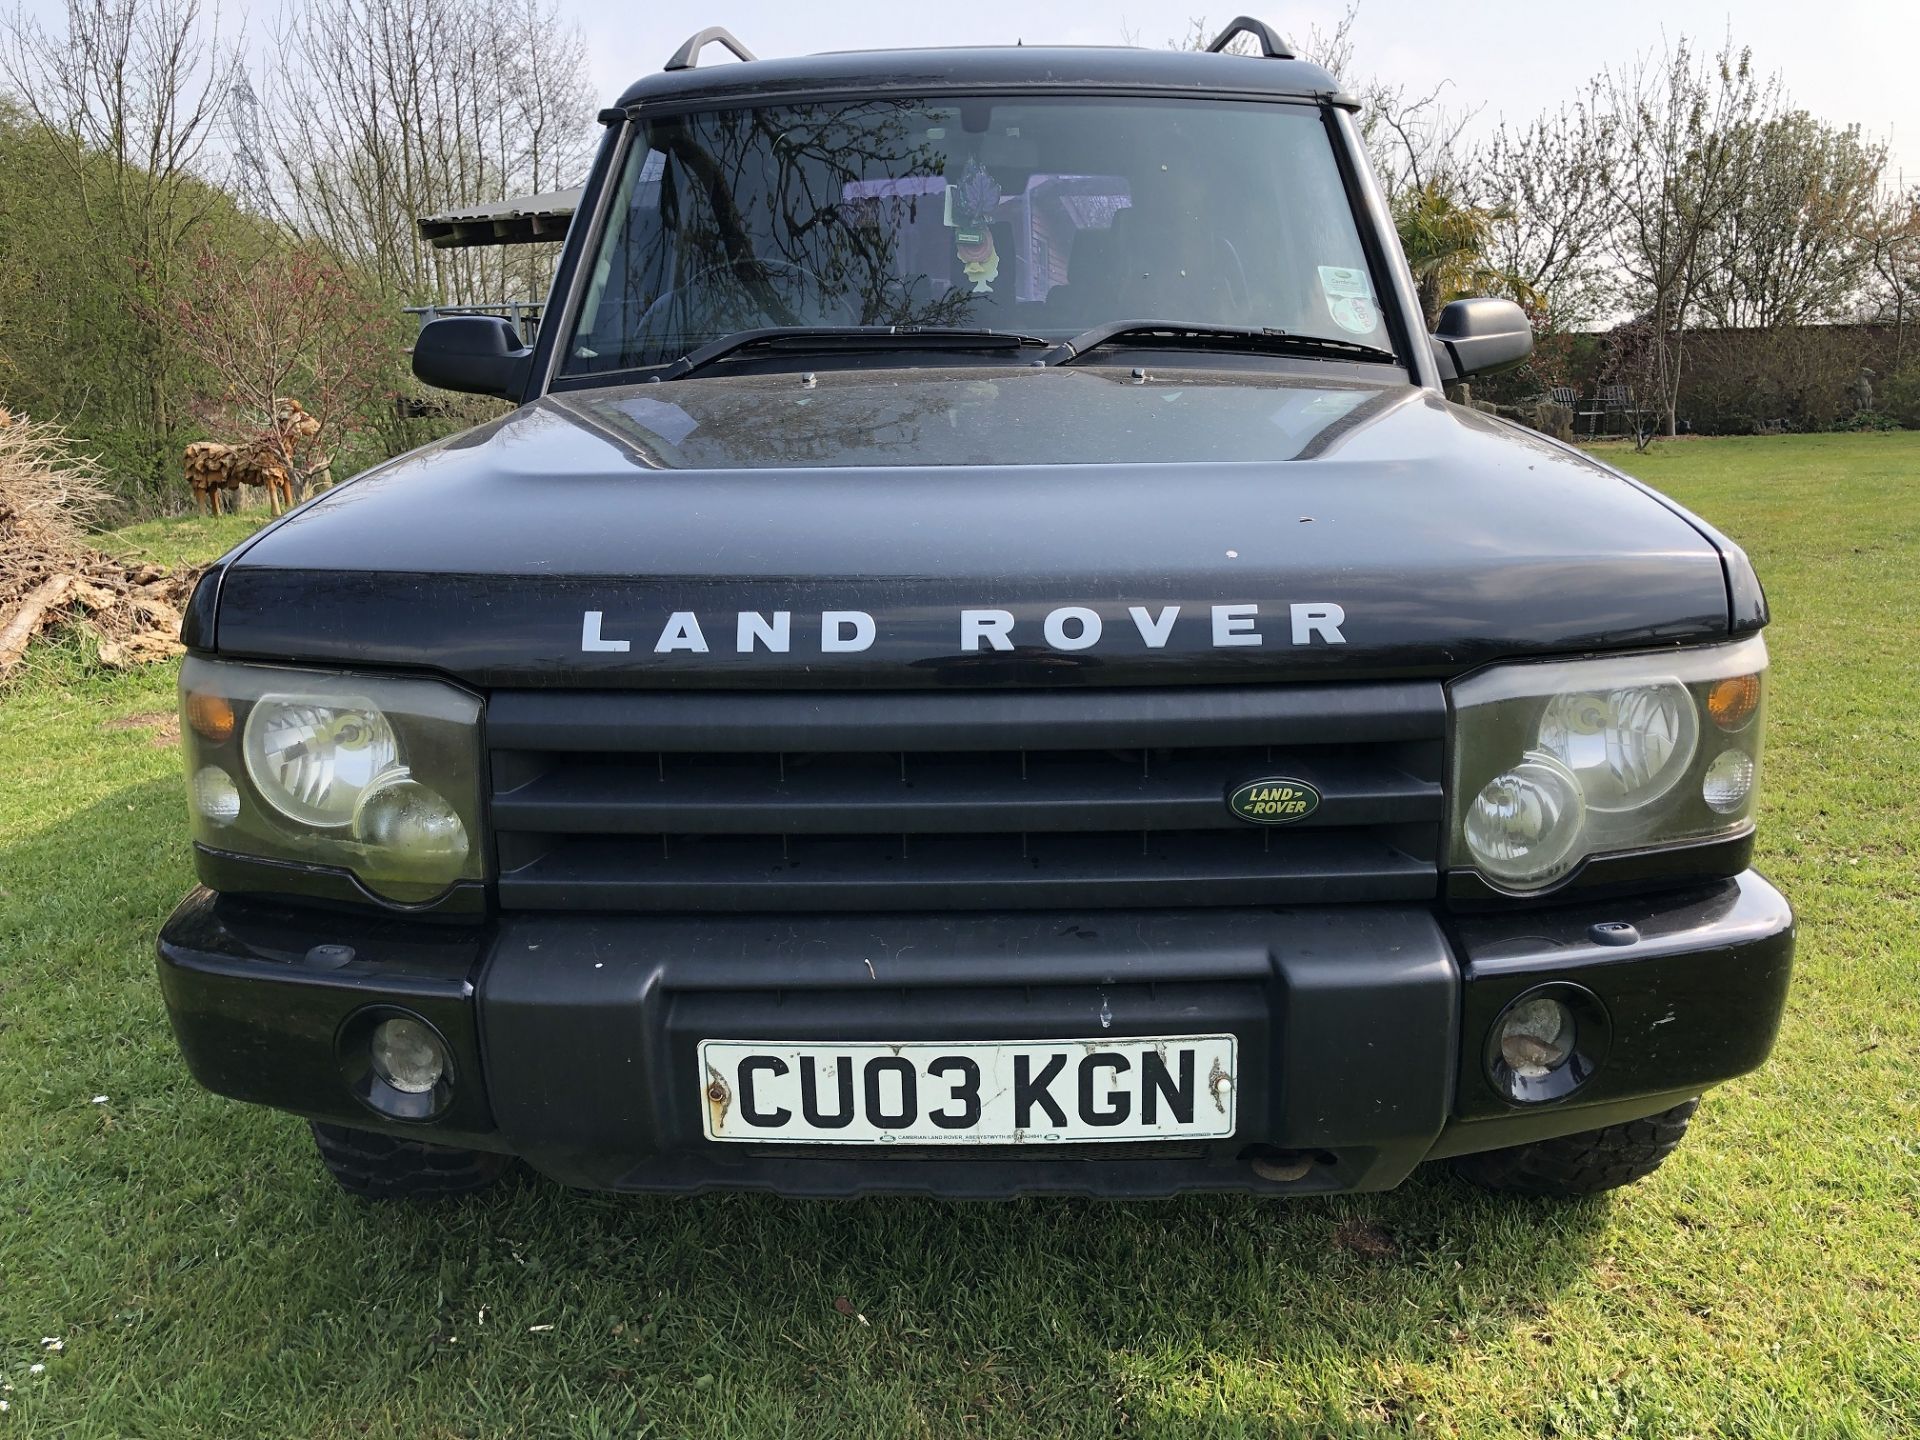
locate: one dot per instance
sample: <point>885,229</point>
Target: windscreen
<point>1037,216</point>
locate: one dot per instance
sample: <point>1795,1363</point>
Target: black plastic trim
<point>1272,47</point>
<point>741,95</point>
<point>1362,1027</point>
<point>766,873</point>
<point>778,802</point>
<point>1695,1001</point>
<point>1635,872</point>
<point>233,874</point>
<point>687,57</point>
<point>631,797</point>
<point>260,994</point>
<point>958,720</point>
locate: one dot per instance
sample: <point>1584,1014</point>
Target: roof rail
<point>1271,45</point>
<point>688,55</point>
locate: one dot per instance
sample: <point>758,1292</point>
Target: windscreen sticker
<point>1350,299</point>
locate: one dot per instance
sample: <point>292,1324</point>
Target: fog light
<point>408,1055</point>
<point>1728,782</point>
<point>1536,1037</point>
<point>215,796</point>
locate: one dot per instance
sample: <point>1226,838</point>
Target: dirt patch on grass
<point>164,724</point>
<point>1365,1239</point>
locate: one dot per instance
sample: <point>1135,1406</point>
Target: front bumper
<point>1361,1029</point>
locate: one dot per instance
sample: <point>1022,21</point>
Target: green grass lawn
<point>205,1278</point>
<point>186,540</point>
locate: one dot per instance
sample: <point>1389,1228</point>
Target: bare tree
<point>386,110</point>
<point>1787,251</point>
<point>129,90</point>
<point>1413,136</point>
<point>1683,163</point>
<point>289,325</point>
<point>1890,238</point>
<point>1331,50</point>
<point>1544,186</point>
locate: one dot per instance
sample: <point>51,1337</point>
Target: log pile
<point>50,576</point>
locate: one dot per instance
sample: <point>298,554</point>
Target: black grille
<point>847,801</point>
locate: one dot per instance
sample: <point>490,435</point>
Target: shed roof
<point>516,220</point>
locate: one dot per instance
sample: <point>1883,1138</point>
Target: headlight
<point>1626,747</point>
<point>311,761</point>
<point>1524,824</point>
<point>374,775</point>
<point>1556,762</point>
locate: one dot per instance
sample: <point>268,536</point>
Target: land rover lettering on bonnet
<point>1066,627</point>
<point>982,660</point>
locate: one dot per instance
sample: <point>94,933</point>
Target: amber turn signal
<point>1732,701</point>
<point>211,717</point>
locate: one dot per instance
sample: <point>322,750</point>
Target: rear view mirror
<point>474,354</point>
<point>1481,337</point>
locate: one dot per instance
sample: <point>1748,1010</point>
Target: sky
<point>1844,60</point>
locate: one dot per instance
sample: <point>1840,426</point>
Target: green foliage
<point>1447,242</point>
<point>206,1280</point>
<point>90,332</point>
<point>80,345</point>
<point>1900,396</point>
<point>1868,421</point>
<point>1788,250</point>
<point>66,327</point>
<point>1815,377</point>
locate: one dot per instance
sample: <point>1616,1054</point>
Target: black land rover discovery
<point>984,662</point>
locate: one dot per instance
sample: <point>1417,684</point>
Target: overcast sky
<point>1845,60</point>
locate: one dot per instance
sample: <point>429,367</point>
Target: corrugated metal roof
<point>516,220</point>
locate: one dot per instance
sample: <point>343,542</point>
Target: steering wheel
<point>697,290</point>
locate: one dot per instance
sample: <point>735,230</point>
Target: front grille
<point>845,801</point>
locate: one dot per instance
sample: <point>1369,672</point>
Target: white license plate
<point>1015,1092</point>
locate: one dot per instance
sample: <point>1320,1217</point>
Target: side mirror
<point>1481,337</point>
<point>474,354</point>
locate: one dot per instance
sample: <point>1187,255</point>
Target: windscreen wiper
<point>849,338</point>
<point>1183,334</point>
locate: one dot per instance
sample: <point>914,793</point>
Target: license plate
<point>1016,1092</point>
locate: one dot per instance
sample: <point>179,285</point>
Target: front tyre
<point>1583,1164</point>
<point>381,1167</point>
